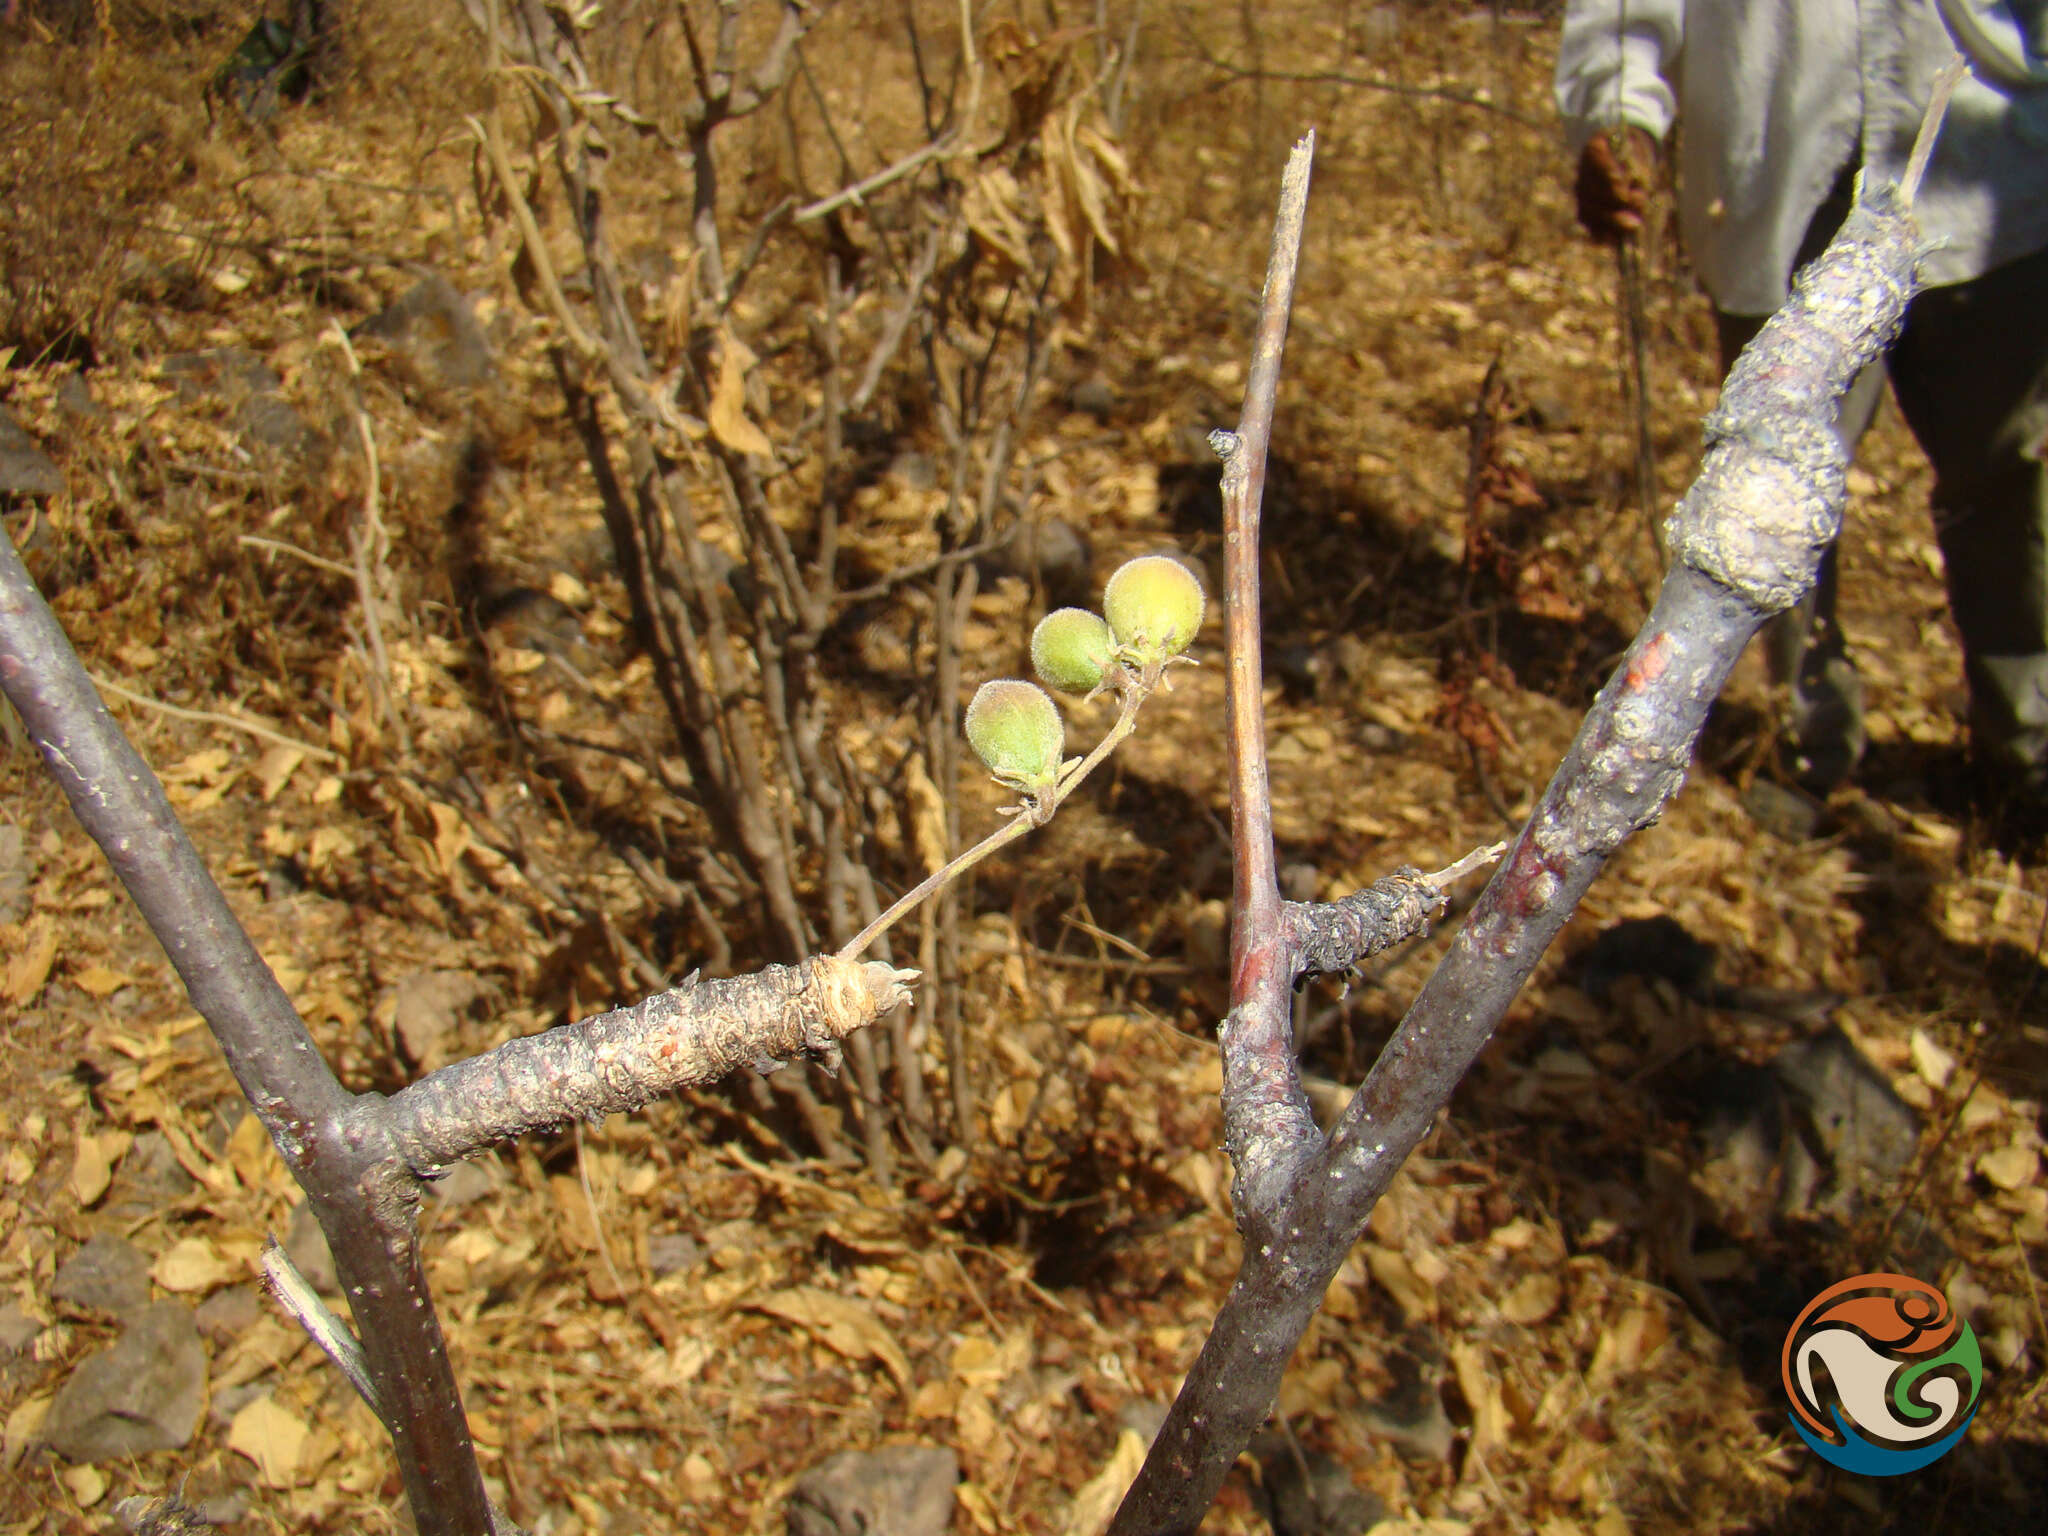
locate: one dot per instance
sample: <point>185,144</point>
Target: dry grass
<point>1068,1267</point>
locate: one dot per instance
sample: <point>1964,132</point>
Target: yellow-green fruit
<point>1154,606</point>
<point>1015,728</point>
<point>1070,650</point>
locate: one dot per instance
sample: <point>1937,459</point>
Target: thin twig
<point>215,717</point>
<point>875,183</point>
<point>1628,266</point>
<point>1028,817</point>
<point>1945,83</point>
<point>318,562</point>
<point>367,539</point>
<point>604,1249</point>
<point>1455,95</point>
<point>1267,1121</point>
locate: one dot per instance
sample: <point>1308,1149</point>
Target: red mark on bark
<point>1648,664</point>
<point>1528,883</point>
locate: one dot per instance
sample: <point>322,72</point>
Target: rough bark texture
<point>619,1061</point>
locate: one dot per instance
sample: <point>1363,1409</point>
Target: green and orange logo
<point>1905,1372</point>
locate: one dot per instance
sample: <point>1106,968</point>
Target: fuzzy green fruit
<point>1154,606</point>
<point>1015,728</point>
<point>1070,650</point>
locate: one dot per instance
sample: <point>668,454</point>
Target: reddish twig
<point>1268,1125</point>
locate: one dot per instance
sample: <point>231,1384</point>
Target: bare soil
<point>1564,1275</point>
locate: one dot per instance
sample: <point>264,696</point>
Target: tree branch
<point>619,1061</point>
<point>363,1207</point>
<point>1746,542</point>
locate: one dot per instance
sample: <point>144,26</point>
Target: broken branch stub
<point>618,1061</point>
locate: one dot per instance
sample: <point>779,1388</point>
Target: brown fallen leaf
<point>272,1437</point>
<point>729,402</point>
<point>1096,1500</point>
<point>842,1325</point>
<point>1535,1296</point>
<point>92,1165</point>
<point>30,966</point>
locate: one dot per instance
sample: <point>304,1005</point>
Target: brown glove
<point>1616,169</point>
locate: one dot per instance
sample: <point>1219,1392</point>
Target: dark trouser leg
<point>1971,373</point>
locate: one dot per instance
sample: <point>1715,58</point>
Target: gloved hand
<point>1616,169</point>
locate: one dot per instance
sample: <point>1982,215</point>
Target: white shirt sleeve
<point>1615,63</point>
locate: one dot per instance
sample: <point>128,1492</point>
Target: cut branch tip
<point>1478,858</point>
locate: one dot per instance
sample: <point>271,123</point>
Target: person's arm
<point>1614,61</point>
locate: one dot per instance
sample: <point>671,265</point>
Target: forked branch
<point>362,1159</point>
<point>1746,542</point>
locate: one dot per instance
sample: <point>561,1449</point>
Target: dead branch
<point>620,1061</point>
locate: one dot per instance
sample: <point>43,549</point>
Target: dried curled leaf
<point>729,420</point>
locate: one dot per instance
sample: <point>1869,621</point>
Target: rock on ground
<point>906,1490</point>
<point>143,1394</point>
<point>108,1274</point>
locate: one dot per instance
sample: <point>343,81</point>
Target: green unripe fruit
<point>1070,650</point>
<point>1015,728</point>
<point>1154,606</point>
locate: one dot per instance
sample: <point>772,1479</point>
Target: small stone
<point>17,868</point>
<point>75,396</point>
<point>1047,553</point>
<point>670,1253</point>
<point>229,1313</point>
<point>1309,1493</point>
<point>1093,397</point>
<point>1142,1416</point>
<point>906,1490</point>
<point>107,1275</point>
<point>437,325</point>
<point>916,470</point>
<point>1411,1414</point>
<point>1785,813</point>
<point>229,1401</point>
<point>17,1329</point>
<point>144,1394</point>
<point>148,1180</point>
<point>1865,1131</point>
<point>25,470</point>
<point>252,391</point>
<point>1300,881</point>
<point>1302,669</point>
<point>427,1006</point>
<point>463,1184</point>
